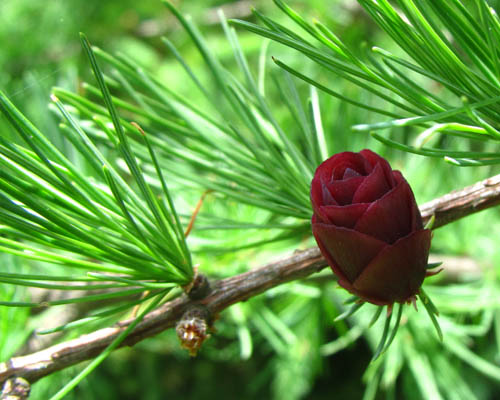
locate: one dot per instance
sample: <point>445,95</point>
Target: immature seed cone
<point>368,227</point>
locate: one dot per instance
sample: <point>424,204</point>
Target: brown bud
<point>192,328</point>
<point>15,389</point>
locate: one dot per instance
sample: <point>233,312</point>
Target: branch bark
<point>464,202</point>
<point>225,292</point>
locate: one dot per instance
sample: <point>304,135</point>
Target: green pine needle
<point>350,311</point>
<point>431,311</point>
<point>383,338</point>
<point>464,63</point>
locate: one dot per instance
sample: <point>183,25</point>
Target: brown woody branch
<point>225,292</point>
<point>464,202</point>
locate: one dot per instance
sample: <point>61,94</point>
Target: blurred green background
<point>40,49</point>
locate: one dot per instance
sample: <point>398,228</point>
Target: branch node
<point>199,287</point>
